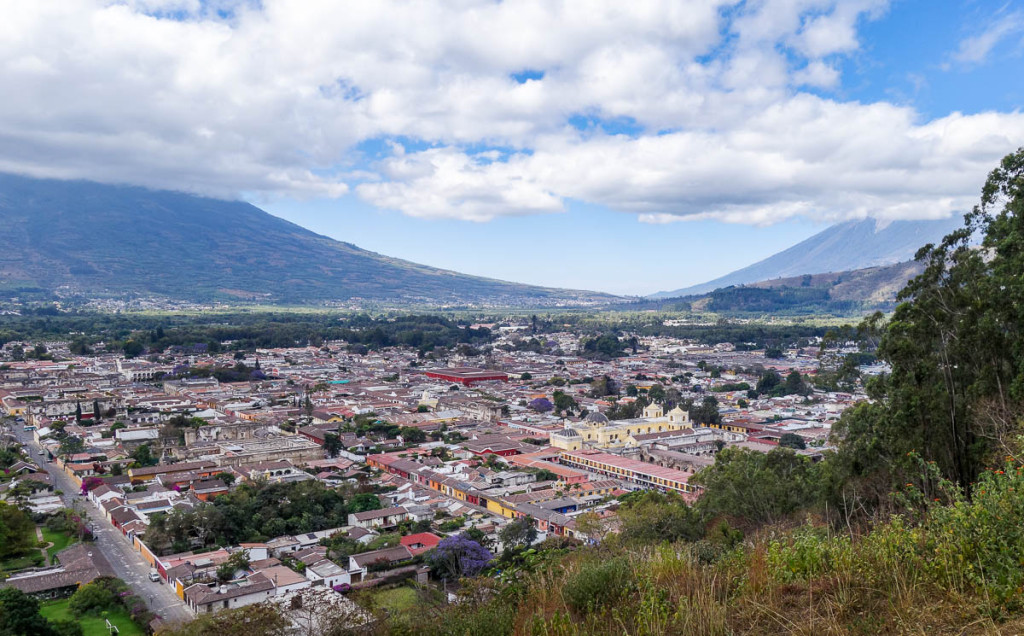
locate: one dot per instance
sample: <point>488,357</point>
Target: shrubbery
<point>107,593</point>
<point>597,583</point>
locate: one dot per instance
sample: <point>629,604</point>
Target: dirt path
<point>49,544</point>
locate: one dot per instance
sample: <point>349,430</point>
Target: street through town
<point>128,564</point>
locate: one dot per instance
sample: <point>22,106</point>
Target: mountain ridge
<point>84,238</point>
<point>844,247</point>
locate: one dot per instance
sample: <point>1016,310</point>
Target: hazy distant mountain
<point>844,247</point>
<point>836,293</point>
<point>101,241</point>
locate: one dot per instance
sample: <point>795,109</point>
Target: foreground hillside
<point>80,238</point>
<point>955,571</point>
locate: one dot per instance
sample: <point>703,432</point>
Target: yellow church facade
<point>597,431</point>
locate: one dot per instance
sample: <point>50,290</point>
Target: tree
<point>792,440</point>
<point>458,556</point>
<point>332,444</point>
<point>706,413</point>
<point>143,456</point>
<point>16,530</point>
<point>604,347</point>
<point>546,475</point>
<point>78,411</point>
<point>753,488</point>
<point>564,402</point>
<point>412,435</point>
<point>80,347</point>
<point>591,526</point>
<point>768,382</point>
<point>518,534</point>
<point>541,405</point>
<point>67,627</point>
<point>92,598</point>
<point>526,376</point>
<point>89,484</point>
<point>96,415</point>
<point>307,407</point>
<point>364,502</point>
<point>19,614</point>
<point>602,386</point>
<point>71,445</point>
<point>237,561</point>
<point>795,384</point>
<point>226,477</point>
<point>653,517</point>
<point>133,349</point>
<point>656,393</point>
<point>774,353</point>
<point>955,346</point>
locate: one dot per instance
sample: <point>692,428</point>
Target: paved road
<point>127,563</point>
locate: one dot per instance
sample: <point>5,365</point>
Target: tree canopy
<point>955,345</point>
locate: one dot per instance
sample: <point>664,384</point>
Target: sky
<point>628,147</point>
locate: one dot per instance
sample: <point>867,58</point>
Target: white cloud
<point>277,97</point>
<point>977,48</point>
<point>447,183</point>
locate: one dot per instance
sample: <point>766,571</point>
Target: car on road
<point>154,575</point>
<point>42,452</point>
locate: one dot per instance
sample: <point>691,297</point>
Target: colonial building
<point>596,431</point>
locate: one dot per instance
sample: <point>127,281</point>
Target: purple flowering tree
<point>89,484</point>
<point>458,556</point>
<point>541,405</point>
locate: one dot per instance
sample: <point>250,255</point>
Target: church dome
<point>596,418</point>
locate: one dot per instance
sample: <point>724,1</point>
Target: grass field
<point>92,625</point>
<point>395,600</point>
<point>30,559</point>
<point>60,540</point>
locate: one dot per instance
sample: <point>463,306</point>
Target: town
<point>369,461</point>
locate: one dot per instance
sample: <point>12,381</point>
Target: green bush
<point>807,553</point>
<point>67,627</point>
<point>978,543</point>
<point>92,598</point>
<point>598,583</point>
